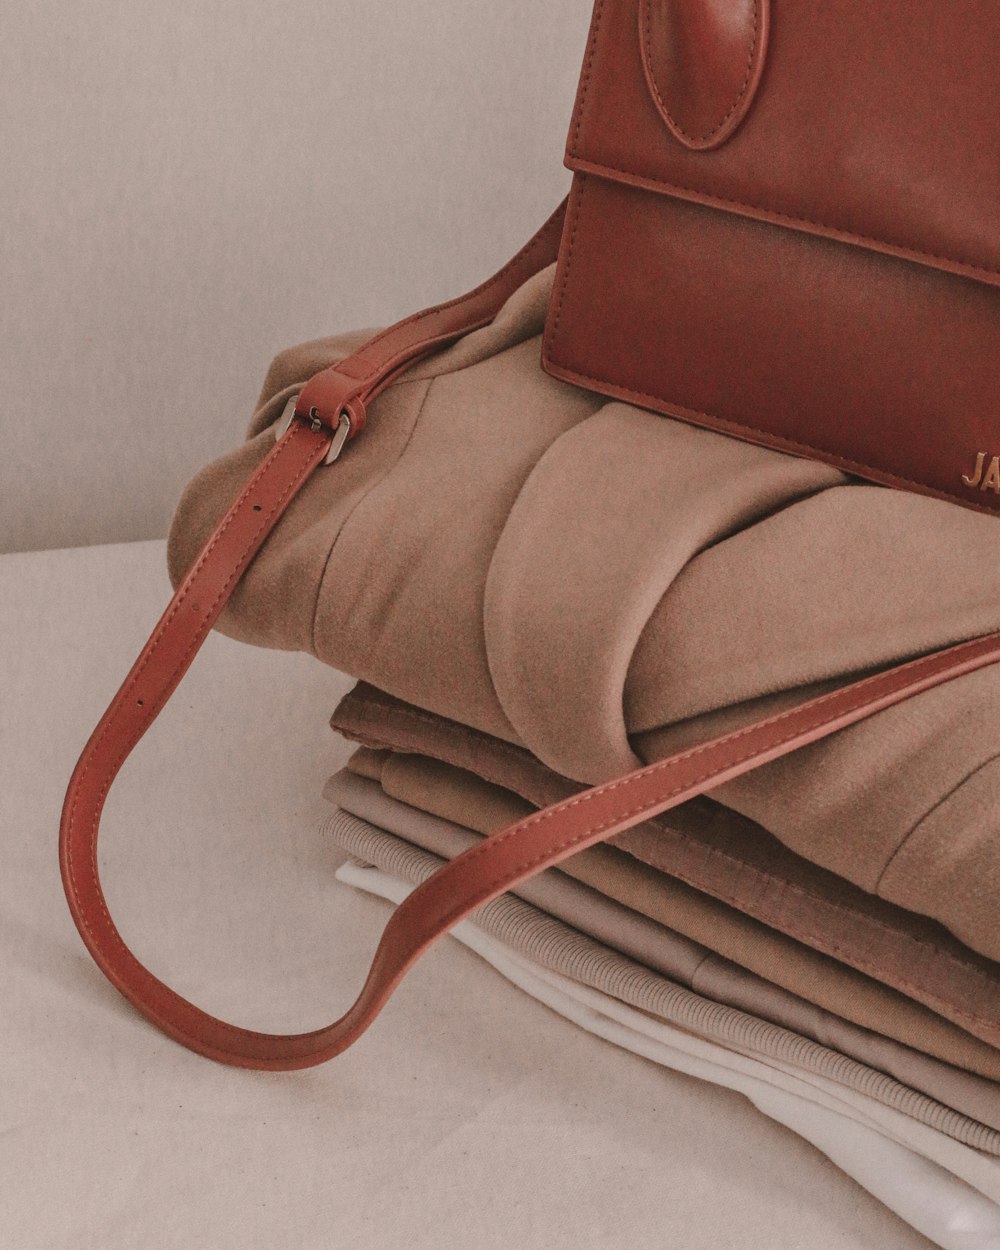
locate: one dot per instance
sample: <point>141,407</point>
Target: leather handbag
<point>782,226</point>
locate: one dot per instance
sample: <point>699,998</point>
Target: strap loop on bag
<point>486,870</point>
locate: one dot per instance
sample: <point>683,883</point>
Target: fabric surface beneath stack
<point>660,949</point>
<point>859,957</point>
<point>602,585</point>
<point>946,1190</point>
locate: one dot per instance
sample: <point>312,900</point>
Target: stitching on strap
<point>168,687</point>
<point>647,39</point>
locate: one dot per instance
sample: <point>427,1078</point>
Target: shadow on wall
<point>193,193</point>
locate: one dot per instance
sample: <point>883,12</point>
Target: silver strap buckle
<point>340,434</point>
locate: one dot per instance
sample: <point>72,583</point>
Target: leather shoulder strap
<point>330,409</point>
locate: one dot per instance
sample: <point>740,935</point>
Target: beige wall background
<point>190,186</point>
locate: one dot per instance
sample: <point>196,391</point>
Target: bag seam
<point>783,218</point>
<point>629,391</point>
<point>573,153</point>
<point>647,39</point>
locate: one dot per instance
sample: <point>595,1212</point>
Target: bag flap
<point>875,124</point>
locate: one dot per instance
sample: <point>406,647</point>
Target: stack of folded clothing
<point>540,589</point>
<point>699,941</point>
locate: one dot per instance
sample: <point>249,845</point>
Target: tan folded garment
<point>600,584</point>
<point>654,945</point>
<point>849,934</point>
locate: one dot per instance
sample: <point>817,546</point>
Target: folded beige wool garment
<point>667,952</point>
<point>601,585</point>
<point>702,864</point>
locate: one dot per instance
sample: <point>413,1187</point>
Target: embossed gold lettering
<point>977,476</point>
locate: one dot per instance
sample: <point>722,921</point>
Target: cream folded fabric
<point>710,870</point>
<point>683,961</point>
<point>601,585</point>
<point>946,1201</point>
<point>952,1198</point>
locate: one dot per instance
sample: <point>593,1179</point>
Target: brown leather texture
<point>703,61</point>
<point>824,280</point>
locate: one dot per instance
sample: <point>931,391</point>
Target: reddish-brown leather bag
<point>782,226</point>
